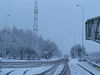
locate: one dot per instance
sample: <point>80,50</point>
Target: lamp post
<point>6,36</point>
<point>73,35</point>
<point>82,23</point>
<point>7,19</point>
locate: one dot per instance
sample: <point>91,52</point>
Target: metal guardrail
<point>6,64</point>
<point>86,70</point>
<point>94,64</point>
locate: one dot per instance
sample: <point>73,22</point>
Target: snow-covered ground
<point>52,69</point>
<point>89,67</point>
<point>59,69</point>
<point>21,71</point>
<point>30,71</point>
<point>77,70</point>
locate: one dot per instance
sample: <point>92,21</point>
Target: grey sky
<point>59,20</point>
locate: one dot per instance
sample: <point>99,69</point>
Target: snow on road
<point>75,69</point>
<point>38,70</point>
<point>31,71</point>
<point>51,69</point>
<point>89,67</point>
<point>59,69</point>
<point>4,71</point>
<point>21,71</point>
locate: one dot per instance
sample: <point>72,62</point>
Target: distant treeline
<point>23,44</point>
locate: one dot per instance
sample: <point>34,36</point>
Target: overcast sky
<point>59,20</point>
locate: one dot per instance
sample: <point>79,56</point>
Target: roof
<point>93,18</point>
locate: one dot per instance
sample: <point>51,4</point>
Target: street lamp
<point>73,34</point>
<point>82,23</point>
<point>7,19</point>
<point>6,36</point>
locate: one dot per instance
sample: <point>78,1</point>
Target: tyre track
<point>9,72</point>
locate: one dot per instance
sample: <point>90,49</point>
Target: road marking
<point>86,70</point>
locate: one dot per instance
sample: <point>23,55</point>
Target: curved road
<point>31,64</point>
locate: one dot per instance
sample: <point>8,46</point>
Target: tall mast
<point>35,26</point>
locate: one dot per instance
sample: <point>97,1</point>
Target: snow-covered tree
<point>77,51</point>
<point>19,44</point>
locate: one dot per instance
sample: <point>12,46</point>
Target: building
<point>92,28</point>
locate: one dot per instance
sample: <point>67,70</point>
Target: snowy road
<point>82,68</point>
<point>57,67</point>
